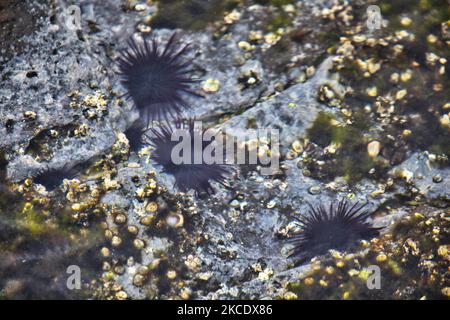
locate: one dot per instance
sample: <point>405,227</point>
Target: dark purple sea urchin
<point>156,79</point>
<point>331,228</point>
<point>187,175</point>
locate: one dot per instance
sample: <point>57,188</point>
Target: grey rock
<point>291,112</point>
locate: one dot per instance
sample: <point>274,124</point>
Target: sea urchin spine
<point>52,178</point>
<point>136,135</point>
<point>331,228</point>
<point>156,79</point>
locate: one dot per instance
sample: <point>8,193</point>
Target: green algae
<point>419,112</point>
<point>351,159</point>
<point>322,131</point>
<point>280,19</point>
<point>42,235</point>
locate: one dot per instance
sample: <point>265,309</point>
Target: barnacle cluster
<point>160,215</point>
<point>39,238</point>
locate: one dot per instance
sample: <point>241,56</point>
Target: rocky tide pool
<point>328,122</point>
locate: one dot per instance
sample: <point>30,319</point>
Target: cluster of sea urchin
<point>158,80</point>
<point>331,228</point>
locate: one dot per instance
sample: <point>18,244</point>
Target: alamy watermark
<point>374,280</point>
<point>71,17</point>
<point>74,280</point>
<point>374,18</point>
<point>253,147</point>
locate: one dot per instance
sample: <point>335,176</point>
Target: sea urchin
<point>156,79</point>
<point>52,178</point>
<point>191,174</point>
<point>136,135</point>
<point>331,228</point>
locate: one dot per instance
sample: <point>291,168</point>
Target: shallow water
<point>381,134</point>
